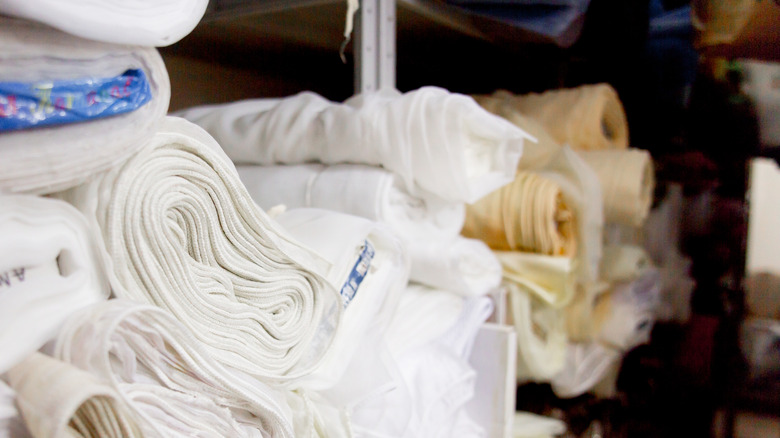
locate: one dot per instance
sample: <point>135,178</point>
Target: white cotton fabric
<point>437,142</point>
<point>160,369</point>
<point>57,399</point>
<point>11,421</point>
<point>44,160</point>
<point>137,22</point>
<point>529,425</point>
<point>341,238</point>
<point>49,268</point>
<point>549,278</point>
<point>180,231</point>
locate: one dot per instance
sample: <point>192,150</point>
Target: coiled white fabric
<point>45,160</point>
<point>180,231</point>
<point>137,22</point>
<point>437,141</point>
<point>57,399</point>
<point>160,369</point>
<point>49,268</point>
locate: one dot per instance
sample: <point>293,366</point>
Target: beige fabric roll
<point>628,181</point>
<point>587,117</point>
<point>59,400</point>
<point>528,214</point>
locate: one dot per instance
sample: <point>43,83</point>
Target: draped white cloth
<point>369,267</point>
<point>180,231</point>
<point>137,22</point>
<point>57,399</point>
<point>44,160</point>
<point>49,268</point>
<point>161,370</point>
<point>440,142</point>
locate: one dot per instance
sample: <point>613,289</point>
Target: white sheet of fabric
<point>44,160</point>
<point>165,373</point>
<point>57,399</point>
<point>341,238</point>
<point>529,425</point>
<point>628,182</point>
<point>437,141</point>
<point>49,268</point>
<point>11,421</point>
<point>622,263</point>
<point>549,278</point>
<point>180,231</point>
<point>586,364</point>
<point>137,22</point>
<point>541,335</point>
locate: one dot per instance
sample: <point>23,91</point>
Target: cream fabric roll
<point>44,160</point>
<point>49,268</point>
<point>550,279</point>
<point>628,181</point>
<point>587,117</point>
<point>11,421</point>
<point>440,142</point>
<point>137,22</point>
<point>529,214</point>
<point>541,335</point>
<point>57,399</point>
<point>165,373</point>
<point>622,263</point>
<point>180,231</point>
<point>370,268</point>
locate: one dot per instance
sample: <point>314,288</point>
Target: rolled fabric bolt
<point>160,369</point>
<point>49,268</point>
<point>180,231</point>
<point>628,181</point>
<point>49,159</point>
<point>136,22</point>
<point>57,399</point>
<point>438,142</point>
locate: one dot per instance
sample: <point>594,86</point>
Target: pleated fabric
<point>49,159</point>
<point>180,231</point>
<point>137,22</point>
<point>437,142</point>
<point>49,269</point>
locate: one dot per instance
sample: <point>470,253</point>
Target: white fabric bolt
<point>138,22</point>
<point>438,142</point>
<point>49,268</point>
<point>44,160</point>
<point>180,231</point>
<point>163,371</point>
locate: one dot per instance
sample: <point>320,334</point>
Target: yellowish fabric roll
<point>582,318</point>
<point>627,180</point>
<point>718,21</point>
<point>551,279</point>
<point>588,117</point>
<point>528,214</point>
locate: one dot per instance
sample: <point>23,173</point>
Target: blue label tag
<point>358,273</point>
<point>30,104</point>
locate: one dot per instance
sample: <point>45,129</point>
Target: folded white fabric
<point>49,268</point>
<point>180,231</point>
<point>437,141</point>
<point>11,421</point>
<point>161,370</point>
<point>57,399</point>
<point>137,22</point>
<point>549,278</point>
<point>48,159</point>
<point>369,267</point>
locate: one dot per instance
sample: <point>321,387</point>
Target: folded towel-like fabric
<point>57,399</point>
<point>180,231</point>
<point>161,370</point>
<point>137,22</point>
<point>47,159</point>
<point>437,142</point>
<point>49,268</point>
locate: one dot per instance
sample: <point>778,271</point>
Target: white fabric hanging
<point>48,159</point>
<point>437,141</point>
<point>11,421</point>
<point>369,267</point>
<point>160,369</point>
<point>180,231</point>
<point>137,22</point>
<point>49,268</point>
<point>57,399</point>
